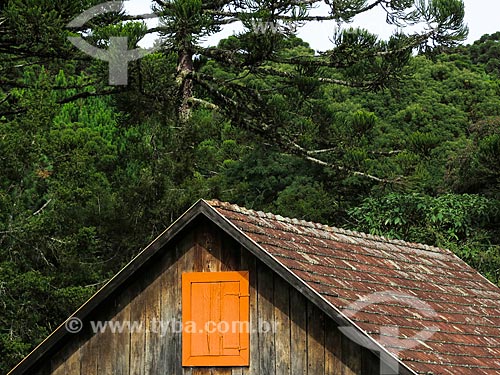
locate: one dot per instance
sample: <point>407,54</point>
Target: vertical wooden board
<point>351,357</point>
<point>73,360</point>
<point>186,255</point>
<point>315,340</point>
<point>230,254</point>
<point>298,333</point>
<point>248,263</point>
<point>204,371</point>
<point>89,355</point>
<point>120,339</point>
<point>265,311</point>
<point>105,340</point>
<point>333,353</point>
<point>282,325</point>
<point>230,312</point>
<point>208,249</point>
<point>170,351</point>
<point>153,326</point>
<point>138,336</point>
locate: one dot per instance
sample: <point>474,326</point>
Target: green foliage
<point>467,224</point>
<point>475,168</point>
<point>366,135</point>
<point>486,51</point>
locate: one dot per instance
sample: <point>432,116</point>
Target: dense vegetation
<point>369,136</point>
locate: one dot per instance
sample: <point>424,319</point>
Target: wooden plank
<point>138,337</point>
<point>186,254</point>
<point>170,351</point>
<point>105,341</point>
<point>202,263</point>
<point>333,364</point>
<point>315,340</point>
<point>209,246</point>
<point>120,345</point>
<point>89,355</point>
<point>265,310</point>
<point>298,333</point>
<point>282,325</point>
<point>351,357</point>
<point>153,320</point>
<point>249,263</point>
<point>230,253</point>
<point>73,360</point>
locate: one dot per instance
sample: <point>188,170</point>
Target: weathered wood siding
<point>304,340</point>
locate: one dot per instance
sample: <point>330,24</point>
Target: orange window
<point>215,316</point>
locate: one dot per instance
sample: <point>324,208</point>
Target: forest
<point>399,138</point>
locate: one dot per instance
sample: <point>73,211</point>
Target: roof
<point>447,314</point>
<point>380,283</point>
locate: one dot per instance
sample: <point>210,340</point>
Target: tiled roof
<point>379,283</point>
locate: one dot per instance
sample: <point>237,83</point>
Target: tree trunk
<point>185,82</point>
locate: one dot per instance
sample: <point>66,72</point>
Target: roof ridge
<point>310,224</point>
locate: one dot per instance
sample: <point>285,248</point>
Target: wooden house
<point>231,291</point>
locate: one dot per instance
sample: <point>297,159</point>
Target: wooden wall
<point>304,341</point>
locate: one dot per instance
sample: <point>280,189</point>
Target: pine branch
<point>81,95</point>
<point>280,73</point>
<point>84,95</point>
<point>298,150</point>
<point>257,122</point>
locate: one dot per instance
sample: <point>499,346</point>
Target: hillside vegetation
<point>90,174</point>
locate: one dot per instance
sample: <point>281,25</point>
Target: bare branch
<point>202,103</point>
<point>42,208</point>
<point>386,153</point>
<point>283,74</point>
<point>5,99</point>
<point>324,151</point>
<point>307,155</point>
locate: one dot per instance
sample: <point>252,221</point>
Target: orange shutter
<point>215,314</point>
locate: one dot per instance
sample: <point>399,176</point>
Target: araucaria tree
<point>264,52</point>
<point>247,76</point>
<point>265,80</point>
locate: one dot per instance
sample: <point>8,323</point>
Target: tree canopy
<point>398,137</point>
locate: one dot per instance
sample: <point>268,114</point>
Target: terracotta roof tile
<point>428,288</point>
